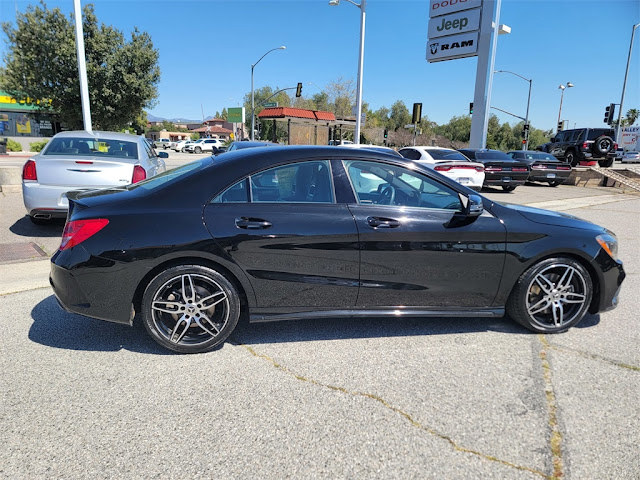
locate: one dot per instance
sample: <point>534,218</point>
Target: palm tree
<point>632,116</point>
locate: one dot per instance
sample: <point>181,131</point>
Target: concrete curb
<point>20,277</point>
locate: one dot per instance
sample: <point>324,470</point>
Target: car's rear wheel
<point>605,163</point>
<point>508,188</point>
<point>554,183</point>
<point>551,296</point>
<point>190,308</point>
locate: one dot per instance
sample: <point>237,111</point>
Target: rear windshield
<point>493,155</point>
<point>438,154</point>
<point>596,132</point>
<point>170,175</point>
<point>96,147</point>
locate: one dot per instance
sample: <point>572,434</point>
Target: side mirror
<point>163,155</point>
<point>471,205</point>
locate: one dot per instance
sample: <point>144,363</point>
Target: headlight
<point>609,244</point>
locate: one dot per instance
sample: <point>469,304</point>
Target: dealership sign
<point>460,22</point>
<point>444,7</point>
<point>453,46</point>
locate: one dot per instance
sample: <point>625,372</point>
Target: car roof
<point>100,134</point>
<point>430,147</point>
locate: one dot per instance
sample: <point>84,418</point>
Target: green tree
<point>458,129</point>
<point>41,63</point>
<point>399,115</point>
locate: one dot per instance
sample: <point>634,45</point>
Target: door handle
<point>252,223</point>
<point>380,222</point>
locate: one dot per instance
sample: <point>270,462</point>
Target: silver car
<point>82,160</point>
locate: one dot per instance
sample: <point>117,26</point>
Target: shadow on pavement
<point>26,228</point>
<point>56,328</point>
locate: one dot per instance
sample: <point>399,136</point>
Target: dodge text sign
<point>453,46</point>
<point>460,22</point>
<point>443,7</point>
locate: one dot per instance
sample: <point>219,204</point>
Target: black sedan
<point>313,232</point>
<point>499,168</point>
<point>544,166</point>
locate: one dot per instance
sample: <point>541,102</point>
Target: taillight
<point>563,167</point>
<point>29,171</point>
<point>538,167</point>
<point>138,174</point>
<point>585,145</point>
<point>615,146</point>
<point>442,168</point>
<point>77,231</point>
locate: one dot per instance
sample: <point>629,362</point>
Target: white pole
<point>624,85</point>
<point>487,43</point>
<point>82,67</point>
<point>356,139</point>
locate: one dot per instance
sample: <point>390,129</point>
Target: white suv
<point>204,145</point>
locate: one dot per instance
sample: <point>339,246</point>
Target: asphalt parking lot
<point>331,398</point>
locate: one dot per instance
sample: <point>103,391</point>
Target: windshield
<point>442,154</point>
<point>170,175</point>
<point>95,147</point>
<point>493,155</point>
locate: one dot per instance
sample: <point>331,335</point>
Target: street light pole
<point>362,6</point>
<point>253,117</point>
<point>525,146</point>
<point>624,85</point>
<point>82,67</point>
<point>562,87</point>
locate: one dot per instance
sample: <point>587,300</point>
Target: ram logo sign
<point>453,46</point>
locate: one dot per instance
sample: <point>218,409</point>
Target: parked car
<point>584,145</point>
<point>81,160</point>
<point>180,145</point>
<point>219,150</point>
<point>544,167</point>
<point>499,168</point>
<point>162,142</point>
<point>317,232</point>
<point>448,162</point>
<point>204,145</point>
<point>630,157</point>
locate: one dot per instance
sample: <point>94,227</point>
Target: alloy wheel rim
<point>190,309</point>
<point>556,296</point>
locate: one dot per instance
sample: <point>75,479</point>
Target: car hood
<point>549,217</point>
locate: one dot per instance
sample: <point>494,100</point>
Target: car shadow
<point>56,328</point>
<point>26,228</point>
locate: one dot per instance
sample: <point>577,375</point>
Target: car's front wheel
<point>570,157</point>
<point>198,150</point>
<point>190,308</point>
<point>554,183</point>
<point>551,296</point>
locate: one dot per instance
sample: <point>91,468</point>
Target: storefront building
<point>23,119</point>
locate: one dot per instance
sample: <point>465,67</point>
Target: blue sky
<point>207,48</point>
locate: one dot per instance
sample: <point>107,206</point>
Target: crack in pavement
<point>593,356</point>
<point>405,415</point>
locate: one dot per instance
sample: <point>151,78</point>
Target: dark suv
<point>584,144</point>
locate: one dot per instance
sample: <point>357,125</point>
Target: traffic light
<point>608,113</point>
<point>471,108</point>
<point>386,133</point>
<point>417,113</point>
<point>560,123</point>
<point>299,90</point>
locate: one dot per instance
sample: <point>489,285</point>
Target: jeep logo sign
<point>453,46</point>
<point>460,22</point>
<point>444,7</point>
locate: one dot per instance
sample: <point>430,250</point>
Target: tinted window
<point>97,147</point>
<point>169,175</point>
<point>410,153</point>
<point>298,183</point>
<point>559,137</point>
<point>492,155</point>
<point>380,184</point>
<point>238,193</point>
<point>469,154</point>
<point>443,154</point>
<point>596,132</point>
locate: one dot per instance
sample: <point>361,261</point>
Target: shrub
<point>13,146</point>
<point>37,146</point>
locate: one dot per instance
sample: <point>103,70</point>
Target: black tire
<point>182,150</point>
<point>554,183</point>
<point>605,163</point>
<point>602,146</point>
<point>508,188</point>
<point>175,311</point>
<point>197,150</point>
<point>551,296</point>
<point>571,158</point>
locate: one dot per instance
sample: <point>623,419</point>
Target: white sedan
<point>448,162</point>
<point>630,157</point>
